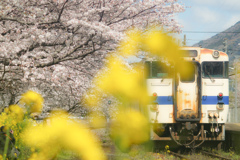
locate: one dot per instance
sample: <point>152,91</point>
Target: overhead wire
<point>207,32</point>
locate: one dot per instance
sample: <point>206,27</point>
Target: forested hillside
<point>230,39</point>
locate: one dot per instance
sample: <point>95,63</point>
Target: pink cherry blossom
<point>57,46</point>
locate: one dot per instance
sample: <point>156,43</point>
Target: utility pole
<point>236,92</point>
<point>184,40</point>
<point>225,44</point>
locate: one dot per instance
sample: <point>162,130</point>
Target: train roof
<point>204,50</point>
<point>201,54</point>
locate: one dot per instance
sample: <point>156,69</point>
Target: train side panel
<point>161,110</point>
<point>211,104</point>
<point>214,108</point>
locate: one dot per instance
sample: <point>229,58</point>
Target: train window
<point>189,53</point>
<point>156,69</point>
<point>188,77</point>
<point>213,70</point>
<point>225,69</point>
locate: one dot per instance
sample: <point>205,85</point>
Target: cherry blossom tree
<point>56,46</point>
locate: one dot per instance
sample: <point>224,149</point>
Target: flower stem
<point>6,145</point>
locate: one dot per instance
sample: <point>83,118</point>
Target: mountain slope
<point>232,35</point>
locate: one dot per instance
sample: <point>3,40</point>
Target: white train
<point>190,110</point>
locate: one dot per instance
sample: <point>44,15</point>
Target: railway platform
<point>232,127</point>
<point>232,137</point>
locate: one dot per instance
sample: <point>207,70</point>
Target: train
<point>193,110</point>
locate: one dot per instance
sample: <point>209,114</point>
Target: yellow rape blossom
<point>167,147</point>
<point>130,127</point>
<point>158,43</point>
<point>92,98</point>
<point>155,43</point>
<point>62,133</point>
<point>6,110</point>
<point>97,120</point>
<point>129,46</point>
<point>3,118</point>
<point>17,112</point>
<point>33,100</point>
<point>122,82</point>
<point>11,117</point>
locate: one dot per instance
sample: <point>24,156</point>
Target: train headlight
<point>210,115</point>
<point>215,54</point>
<point>220,101</point>
<point>220,95</point>
<point>154,94</point>
<point>154,97</point>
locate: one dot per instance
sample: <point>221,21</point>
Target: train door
<point>188,96</point>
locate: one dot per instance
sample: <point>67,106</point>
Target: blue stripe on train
<point>206,100</point>
<point>164,100</point>
<point>214,100</point>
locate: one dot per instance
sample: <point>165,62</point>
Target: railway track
<point>206,153</point>
<point>181,156</point>
<point>110,151</point>
<point>177,155</point>
<point>215,155</point>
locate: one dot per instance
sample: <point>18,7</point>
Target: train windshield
<point>157,69</point>
<point>191,76</point>
<point>215,69</point>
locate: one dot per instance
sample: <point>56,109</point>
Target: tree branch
<point>59,16</point>
<point>131,17</point>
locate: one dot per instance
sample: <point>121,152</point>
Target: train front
<point>193,109</point>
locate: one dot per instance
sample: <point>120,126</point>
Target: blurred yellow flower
<point>97,120</point>
<point>16,112</point>
<point>93,98</point>
<point>129,46</point>
<point>33,100</point>
<point>3,118</point>
<point>34,156</point>
<point>62,133</point>
<point>123,82</point>
<point>130,127</point>
<point>167,147</point>
<point>160,44</point>
<point>156,43</point>
<point>6,110</point>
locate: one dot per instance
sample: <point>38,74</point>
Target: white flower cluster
<point>58,47</point>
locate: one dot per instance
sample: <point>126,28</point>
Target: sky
<point>207,16</point>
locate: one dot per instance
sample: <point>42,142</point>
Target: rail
<point>215,155</point>
<point>179,155</point>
